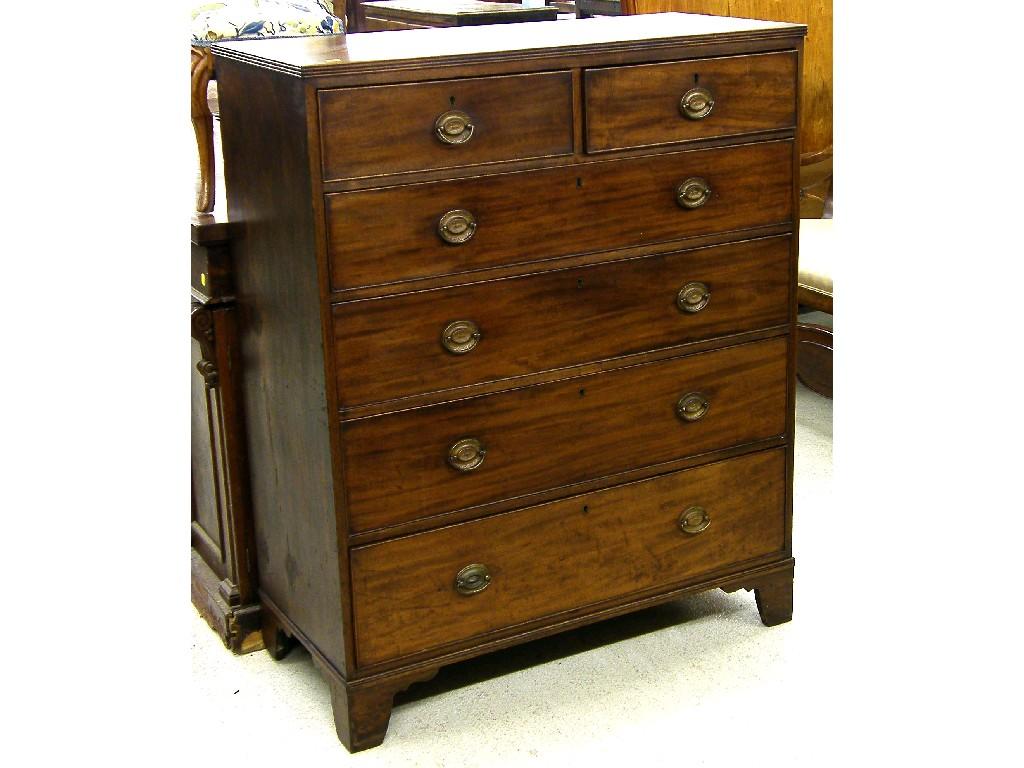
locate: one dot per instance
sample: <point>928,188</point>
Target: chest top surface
<point>322,55</point>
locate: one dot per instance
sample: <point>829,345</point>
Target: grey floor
<point>696,682</point>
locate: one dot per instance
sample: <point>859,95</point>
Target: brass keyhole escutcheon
<point>453,127</point>
<point>694,520</point>
<point>472,579</point>
<point>693,297</point>
<point>692,406</point>
<point>457,227</point>
<point>460,336</point>
<point>696,103</point>
<point>693,192</point>
<point>467,454</point>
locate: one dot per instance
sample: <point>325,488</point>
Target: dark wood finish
<point>814,357</point>
<point>415,14</point>
<point>390,128</point>
<point>223,567</point>
<point>292,477</point>
<point>774,598</point>
<point>392,347</point>
<point>310,251</point>
<point>381,236</point>
<point>276,639</point>
<point>812,298</point>
<point>396,466</point>
<point>638,105</point>
<point>585,550</point>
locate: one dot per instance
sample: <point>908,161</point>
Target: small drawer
<point>377,130</point>
<point>654,104</point>
<point>415,231</point>
<point>454,337</point>
<point>422,462</point>
<point>419,592</point>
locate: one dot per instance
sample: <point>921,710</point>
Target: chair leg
<point>814,357</point>
<point>202,123</point>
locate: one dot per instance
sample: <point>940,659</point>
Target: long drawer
<point>387,235</point>
<point>414,464</point>
<point>651,104</point>
<point>376,130</point>
<point>444,586</point>
<point>453,337</point>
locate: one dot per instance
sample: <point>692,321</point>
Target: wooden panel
<point>581,551</point>
<point>638,106</point>
<point>386,235</point>
<point>280,332</point>
<point>816,96</point>
<point>390,128</point>
<point>390,348</point>
<point>551,435</point>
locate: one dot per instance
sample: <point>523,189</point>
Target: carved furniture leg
<point>275,639</point>
<point>362,711</point>
<point>774,598</point>
<point>202,123</point>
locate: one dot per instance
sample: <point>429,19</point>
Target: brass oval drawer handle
<point>693,297</point>
<point>457,226</point>
<point>453,127</point>
<point>472,579</point>
<point>694,520</point>
<point>467,454</point>
<point>460,336</point>
<point>693,192</point>
<point>696,104</point>
<point>692,406</point>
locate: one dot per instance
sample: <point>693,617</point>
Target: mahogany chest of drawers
<point>517,312</point>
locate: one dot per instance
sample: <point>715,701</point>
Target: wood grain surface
<point>816,110</point>
<point>385,235</point>
<point>555,434</point>
<point>390,128</point>
<point>390,348</point>
<point>638,105</point>
<point>581,550</point>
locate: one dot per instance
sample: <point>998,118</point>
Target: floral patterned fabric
<point>235,19</point>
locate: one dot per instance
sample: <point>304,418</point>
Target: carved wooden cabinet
<point>517,328</point>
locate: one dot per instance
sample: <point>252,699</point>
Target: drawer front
<point>414,464</point>
<point>435,340</point>
<point>564,555</point>
<point>653,104</point>
<point>386,235</point>
<point>385,129</point>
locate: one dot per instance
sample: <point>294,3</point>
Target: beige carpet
<point>695,682</point>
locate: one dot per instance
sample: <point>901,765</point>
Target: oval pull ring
<point>692,406</point>
<point>693,297</point>
<point>694,520</point>
<point>472,579</point>
<point>460,336</point>
<point>457,226</point>
<point>693,192</point>
<point>453,127</point>
<point>696,104</point>
<point>466,454</point>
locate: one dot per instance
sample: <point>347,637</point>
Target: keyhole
<point>451,100</point>
<point>696,81</point>
<point>579,283</point>
<point>579,183</point>
<point>583,392</point>
<point>586,508</point>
